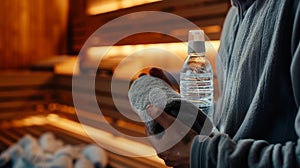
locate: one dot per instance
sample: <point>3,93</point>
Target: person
<point>258,113</point>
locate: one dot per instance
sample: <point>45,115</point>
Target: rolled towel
<point>49,143</point>
<point>96,155</point>
<point>71,151</point>
<point>63,158</point>
<point>21,162</point>
<point>151,90</point>
<point>83,162</point>
<point>26,140</point>
<point>61,161</point>
<point>25,152</point>
<point>12,153</point>
<point>33,153</point>
<point>4,159</point>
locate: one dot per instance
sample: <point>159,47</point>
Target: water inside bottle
<point>198,89</point>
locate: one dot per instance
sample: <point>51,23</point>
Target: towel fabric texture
<point>151,90</point>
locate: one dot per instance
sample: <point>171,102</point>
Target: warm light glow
<point>212,29</point>
<point>94,53</point>
<point>112,56</point>
<point>27,121</point>
<point>214,44</point>
<point>95,7</point>
<point>130,126</point>
<point>70,66</point>
<point>107,139</point>
<point>139,56</point>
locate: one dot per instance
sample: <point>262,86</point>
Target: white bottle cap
<point>196,42</point>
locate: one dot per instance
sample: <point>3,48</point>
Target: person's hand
<point>169,79</point>
<point>179,154</point>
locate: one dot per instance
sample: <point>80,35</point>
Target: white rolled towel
<point>96,155</point>
<point>25,152</point>
<point>72,151</point>
<point>61,161</point>
<point>26,140</point>
<point>12,153</point>
<point>83,162</point>
<point>63,158</point>
<point>33,153</point>
<point>21,162</point>
<point>49,143</point>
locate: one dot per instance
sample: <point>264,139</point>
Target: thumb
<point>160,116</point>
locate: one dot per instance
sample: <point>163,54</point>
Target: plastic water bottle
<point>196,76</point>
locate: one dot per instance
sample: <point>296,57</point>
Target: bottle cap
<point>196,41</point>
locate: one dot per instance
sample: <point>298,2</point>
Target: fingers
<point>165,120</point>
<point>142,74</point>
<point>147,132</point>
<point>159,74</point>
<point>156,72</point>
<point>160,116</point>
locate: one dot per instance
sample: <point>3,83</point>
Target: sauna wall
<point>31,30</point>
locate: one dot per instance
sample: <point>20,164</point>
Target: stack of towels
<point>49,152</point>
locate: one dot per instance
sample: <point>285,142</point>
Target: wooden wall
<point>203,13</point>
<point>31,30</point>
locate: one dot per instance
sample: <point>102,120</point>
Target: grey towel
<point>96,155</point>
<point>49,143</point>
<point>83,162</point>
<point>150,90</point>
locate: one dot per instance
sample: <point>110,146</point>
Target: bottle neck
<point>194,54</point>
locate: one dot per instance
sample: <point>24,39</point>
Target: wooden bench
<point>29,99</point>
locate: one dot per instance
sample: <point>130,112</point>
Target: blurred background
<point>39,46</point>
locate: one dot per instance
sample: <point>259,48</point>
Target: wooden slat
<point>65,133</point>
<point>208,22</point>
<point>3,30</point>
<point>34,130</point>
<point>16,113</point>
<point>16,104</point>
<point>22,92</point>
<point>107,105</point>
<point>23,78</point>
<point>30,92</point>
<point>114,159</point>
<point>166,5</point>
<point>60,134</point>
<point>19,131</point>
<point>163,24</point>
<point>7,133</point>
<point>5,140</point>
<point>107,38</point>
<point>201,12</point>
